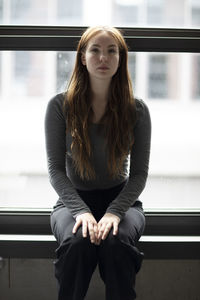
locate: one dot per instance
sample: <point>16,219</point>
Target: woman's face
<point>101,56</point>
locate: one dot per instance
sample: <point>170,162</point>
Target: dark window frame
<point>56,38</point>
<point>60,38</point>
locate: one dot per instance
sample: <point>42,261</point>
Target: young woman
<point>98,146</point>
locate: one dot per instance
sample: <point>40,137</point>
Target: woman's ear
<point>83,58</point>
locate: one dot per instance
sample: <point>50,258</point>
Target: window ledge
<point>154,247</point>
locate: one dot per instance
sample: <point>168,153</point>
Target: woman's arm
<point>55,136</point>
<point>139,164</point>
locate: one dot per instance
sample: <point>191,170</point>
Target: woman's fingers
<point>105,224</point>
<point>84,228</point>
<point>91,232</point>
<point>106,231</point>
<point>89,225</point>
<point>101,228</point>
<point>97,232</point>
<point>115,228</point>
<point>76,226</point>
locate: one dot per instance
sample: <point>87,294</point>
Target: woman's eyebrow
<point>97,45</point>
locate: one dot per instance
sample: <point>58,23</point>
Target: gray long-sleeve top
<point>62,174</point>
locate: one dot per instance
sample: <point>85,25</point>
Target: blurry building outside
<point>168,82</point>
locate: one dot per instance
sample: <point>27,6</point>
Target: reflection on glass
<point>30,79</point>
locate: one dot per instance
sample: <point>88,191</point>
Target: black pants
<point>117,257</point>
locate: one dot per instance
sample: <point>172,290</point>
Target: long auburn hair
<point>119,118</point>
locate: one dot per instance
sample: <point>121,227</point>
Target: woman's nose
<point>103,57</point>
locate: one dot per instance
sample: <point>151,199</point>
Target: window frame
<point>61,38</point>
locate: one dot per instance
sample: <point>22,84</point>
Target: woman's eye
<point>112,51</point>
<point>95,50</point>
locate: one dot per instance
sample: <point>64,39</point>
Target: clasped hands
<point>97,231</point>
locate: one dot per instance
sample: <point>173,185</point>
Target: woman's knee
<point>80,242</point>
<point>61,224</point>
<point>132,226</point>
<point>128,233</point>
<point>75,243</point>
<point>111,243</point>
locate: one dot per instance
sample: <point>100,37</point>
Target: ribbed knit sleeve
<point>139,163</point>
<point>55,137</point>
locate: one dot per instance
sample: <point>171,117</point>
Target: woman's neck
<point>100,90</point>
<point>99,99</point>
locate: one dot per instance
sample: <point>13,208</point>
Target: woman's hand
<point>89,224</point>
<point>105,224</point>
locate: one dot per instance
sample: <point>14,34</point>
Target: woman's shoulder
<point>142,110</point>
<point>57,100</point>
<point>140,105</point>
<point>55,106</point>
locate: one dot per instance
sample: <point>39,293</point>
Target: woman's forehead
<point>104,38</point>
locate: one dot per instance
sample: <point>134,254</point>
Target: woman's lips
<point>103,68</point>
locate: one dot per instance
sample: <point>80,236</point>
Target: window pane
<point>30,80</point>
<point>28,12</point>
<point>20,9</point>
<point>171,13</point>
<point>70,11</point>
<point>1,11</point>
<point>196,77</point>
<point>155,12</point>
<point>0,76</point>
<point>64,63</point>
<point>168,83</point>
<point>132,67</point>
<point>195,12</point>
<point>158,81</point>
<point>125,12</point>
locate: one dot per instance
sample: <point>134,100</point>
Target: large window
<point>168,82</point>
<point>33,77</point>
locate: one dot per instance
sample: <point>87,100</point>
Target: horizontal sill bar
<point>157,223</point>
<point>152,247</point>
<point>14,211</point>
<point>51,238</point>
<point>170,239</point>
<point>27,237</point>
